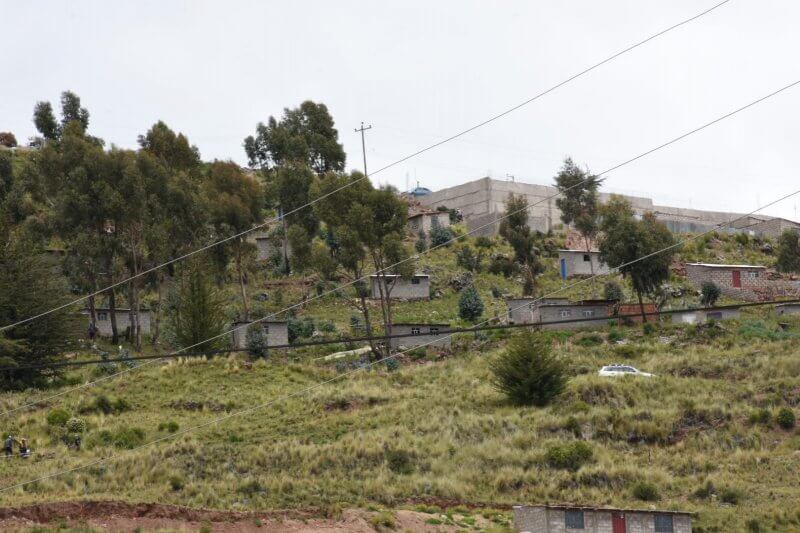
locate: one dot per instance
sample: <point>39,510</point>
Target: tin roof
<point>570,507</point>
<point>717,265</point>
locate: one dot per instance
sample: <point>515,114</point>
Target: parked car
<point>622,370</point>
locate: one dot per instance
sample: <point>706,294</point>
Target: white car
<point>622,370</point>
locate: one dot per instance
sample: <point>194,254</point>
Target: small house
<point>123,316</point>
<point>520,310</point>
<point>276,332</point>
<point>420,334</point>
<point>416,287</point>
<point>427,220</point>
<point>573,315</point>
<point>573,518</point>
<point>632,313</point>
<point>787,309</point>
<point>580,263</point>
<point>695,316</point>
<point>730,277</point>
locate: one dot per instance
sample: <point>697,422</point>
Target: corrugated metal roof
<point>567,507</point>
<point>716,265</point>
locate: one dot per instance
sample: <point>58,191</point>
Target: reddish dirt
<point>120,516</point>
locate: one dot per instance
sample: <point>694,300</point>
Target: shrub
<point>170,426</point>
<point>504,266</point>
<point>440,236</point>
<point>128,438</point>
<point>483,242</point>
<point>103,404</point>
<point>399,461</point>
<point>760,416</point>
<point>568,456</point>
<point>470,305</point>
<point>615,335</point>
<point>649,328</point>
<point>57,417</point>
<point>121,405</point>
<point>422,242</point>
<point>299,329</point>
<point>392,364</point>
<point>250,488</point>
<point>176,483</point>
<point>592,339</point>
<point>753,526</point>
<point>785,418</point>
<point>256,341</point>
<point>76,425</point>
<point>613,291</point>
<point>527,372</point>
<point>709,293</point>
<point>647,492</point>
<point>384,519</point>
<point>730,496</point>
<point>467,258</point>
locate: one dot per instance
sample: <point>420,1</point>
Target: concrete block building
<point>520,310</point>
<point>426,220</point>
<point>277,333</point>
<point>569,518</point>
<point>693,316</point>
<point>417,287</point>
<point>580,263</point>
<point>737,281</point>
<point>550,311</point>
<point>427,334</point>
<point>123,316</point>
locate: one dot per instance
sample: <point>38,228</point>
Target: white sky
<point>419,71</point>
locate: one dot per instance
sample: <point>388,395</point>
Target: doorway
<point>737,279</point>
<point>618,522</point>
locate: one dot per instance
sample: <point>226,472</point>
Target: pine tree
<point>470,305</point>
<point>196,308</point>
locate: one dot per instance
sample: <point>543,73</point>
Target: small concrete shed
<point>572,518</point>
<point>417,287</point>
<point>277,333</point>
<point>580,263</point>
<point>420,334</point>
<point>123,316</point>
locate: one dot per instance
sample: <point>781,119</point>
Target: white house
<point>417,287</point>
<point>580,263</point>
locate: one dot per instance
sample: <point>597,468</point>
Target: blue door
<point>563,269</point>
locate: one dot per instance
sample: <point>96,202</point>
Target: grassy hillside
<point>701,436</point>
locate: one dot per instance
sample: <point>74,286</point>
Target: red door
<point>618,522</point>
<point>737,279</point>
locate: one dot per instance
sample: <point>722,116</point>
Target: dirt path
<point>120,516</point>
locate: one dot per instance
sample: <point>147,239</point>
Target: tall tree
<point>370,226</point>
<point>305,134</point>
<point>71,110</point>
<point>28,286</point>
<point>641,249</point>
<point>174,150</point>
<point>514,229</point>
<point>234,203</point>
<point>195,307</point>
<point>45,120</point>
<point>578,204</point>
<point>789,252</point>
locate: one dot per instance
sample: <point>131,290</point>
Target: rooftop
<point>715,265</point>
<point>571,507</point>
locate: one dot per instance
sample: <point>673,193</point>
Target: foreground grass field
<point>701,436</point>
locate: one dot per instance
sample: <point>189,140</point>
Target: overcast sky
<point>420,70</point>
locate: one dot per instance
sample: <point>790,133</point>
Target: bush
<point>649,328</point>
<point>483,242</point>
<point>786,418</point>
<point>467,258</point>
<point>527,372</point>
<point>399,461</point>
<point>57,417</point>
<point>128,438</point>
<point>504,266</point>
<point>176,483</point>
<point>709,293</point>
<point>299,329</point>
<point>422,242</point>
<point>103,404</point>
<point>730,496</point>
<point>647,492</point>
<point>569,456</point>
<point>76,425</point>
<point>470,305</point>
<point>256,341</point>
<point>613,291</point>
<point>170,427</point>
<point>760,416</point>
<point>440,236</point>
<point>615,335</point>
<point>592,339</point>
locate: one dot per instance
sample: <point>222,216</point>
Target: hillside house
<point>427,220</point>
<point>417,287</point>
<point>733,280</point>
<point>580,263</point>
<point>277,333</point>
<point>547,310</point>
<point>570,518</point>
<point>694,316</point>
<point>787,309</point>
<point>421,334</point>
<point>520,310</point>
<point>123,316</point>
<point>626,310</point>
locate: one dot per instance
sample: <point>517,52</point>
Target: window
<point>415,280</point>
<point>588,312</point>
<point>265,329</point>
<point>102,315</point>
<point>434,331</point>
<point>586,258</point>
<point>751,274</point>
<point>663,523</point>
<point>574,519</point>
<point>415,331</point>
<point>565,313</point>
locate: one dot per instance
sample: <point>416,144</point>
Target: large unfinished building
<point>482,204</point>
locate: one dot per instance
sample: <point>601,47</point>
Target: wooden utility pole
<point>362,129</point>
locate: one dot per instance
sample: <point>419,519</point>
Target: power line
<point>454,239</point>
<point>352,340</point>
<point>310,388</point>
<point>390,165</point>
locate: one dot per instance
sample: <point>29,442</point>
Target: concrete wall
<point>555,313</point>
<point>123,321</point>
<point>577,265</point>
<point>520,310</point>
<point>427,221</point>
<point>541,519</point>
<point>417,287</point>
<point>423,334</point>
<point>277,333</point>
<point>701,317</point>
<point>787,309</point>
<point>482,202</point>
